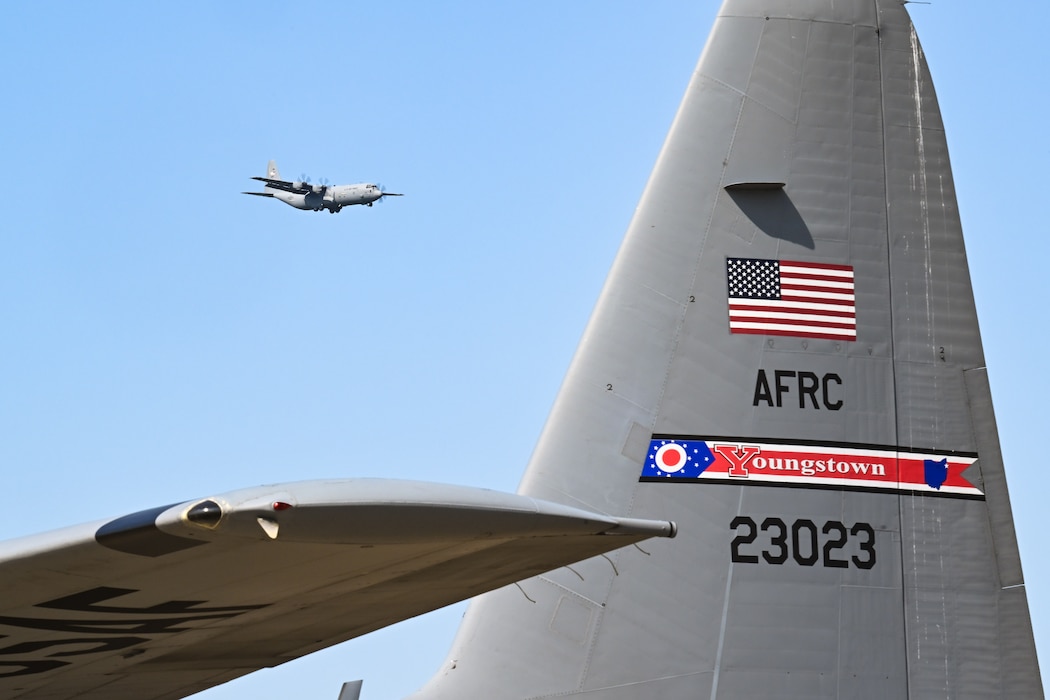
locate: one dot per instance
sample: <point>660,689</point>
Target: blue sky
<point>166,337</point>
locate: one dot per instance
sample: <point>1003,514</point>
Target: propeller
<point>320,188</point>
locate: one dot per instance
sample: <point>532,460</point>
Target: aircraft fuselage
<point>332,198</point>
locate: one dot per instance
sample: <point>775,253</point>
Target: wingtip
<point>650,528</point>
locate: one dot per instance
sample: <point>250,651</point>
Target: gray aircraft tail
<point>785,360</point>
<point>271,170</point>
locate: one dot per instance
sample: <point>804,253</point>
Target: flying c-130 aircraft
<point>782,389</point>
<point>317,197</point>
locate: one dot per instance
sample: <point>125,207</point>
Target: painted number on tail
<point>805,542</point>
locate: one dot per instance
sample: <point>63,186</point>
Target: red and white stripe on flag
<point>781,297</point>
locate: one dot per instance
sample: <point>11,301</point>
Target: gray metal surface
<point>167,602</point>
<point>810,132</point>
<point>350,691</point>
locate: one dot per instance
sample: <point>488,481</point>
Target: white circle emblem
<point>671,458</point>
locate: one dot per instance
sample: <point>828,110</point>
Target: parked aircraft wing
<point>166,602</point>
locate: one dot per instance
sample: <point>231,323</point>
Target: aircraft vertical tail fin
<point>785,360</point>
<point>271,170</point>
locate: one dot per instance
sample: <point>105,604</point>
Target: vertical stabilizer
<point>786,361</point>
<point>271,170</point>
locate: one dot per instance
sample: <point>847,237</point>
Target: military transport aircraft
<point>784,368</point>
<point>303,195</point>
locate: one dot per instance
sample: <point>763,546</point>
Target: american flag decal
<point>780,297</point>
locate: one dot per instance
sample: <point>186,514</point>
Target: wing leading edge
<point>170,601</point>
<point>293,187</point>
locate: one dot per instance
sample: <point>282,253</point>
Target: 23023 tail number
<point>804,541</point>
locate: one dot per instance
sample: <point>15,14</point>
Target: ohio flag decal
<point>780,297</point>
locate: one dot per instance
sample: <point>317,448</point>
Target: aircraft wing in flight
<point>294,187</point>
<point>170,601</point>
